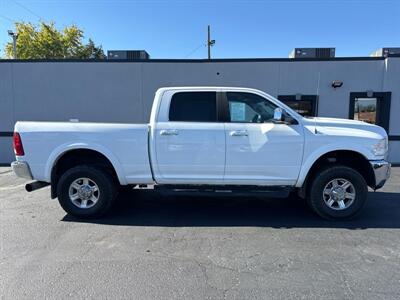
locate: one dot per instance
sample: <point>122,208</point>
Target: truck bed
<point>125,145</point>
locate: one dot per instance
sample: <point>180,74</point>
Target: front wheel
<point>86,192</point>
<point>338,192</point>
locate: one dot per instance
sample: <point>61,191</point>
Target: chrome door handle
<point>169,132</point>
<point>239,133</point>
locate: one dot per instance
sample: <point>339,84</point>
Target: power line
<point>194,50</point>
<point>8,18</point>
<point>28,10</point>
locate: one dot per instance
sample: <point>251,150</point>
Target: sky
<point>242,29</point>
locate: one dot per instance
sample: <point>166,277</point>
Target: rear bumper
<point>21,169</point>
<point>381,170</point>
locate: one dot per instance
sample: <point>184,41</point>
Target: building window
<point>372,108</point>
<point>365,109</point>
<point>306,106</point>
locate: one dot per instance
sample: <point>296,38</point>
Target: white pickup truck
<point>207,139</point>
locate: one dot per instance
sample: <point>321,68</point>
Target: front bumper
<point>381,170</point>
<point>21,169</point>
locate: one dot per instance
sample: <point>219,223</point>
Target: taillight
<point>17,142</point>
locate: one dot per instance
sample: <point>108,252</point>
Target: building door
<point>372,108</point>
<point>305,105</point>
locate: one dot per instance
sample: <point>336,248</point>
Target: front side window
<point>193,107</point>
<point>249,108</point>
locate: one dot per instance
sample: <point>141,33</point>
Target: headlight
<point>380,148</point>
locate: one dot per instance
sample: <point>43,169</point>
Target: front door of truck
<point>259,150</point>
<point>190,142</point>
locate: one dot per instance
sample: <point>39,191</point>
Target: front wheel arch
<point>348,158</point>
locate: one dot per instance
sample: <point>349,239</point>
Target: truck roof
<point>206,88</point>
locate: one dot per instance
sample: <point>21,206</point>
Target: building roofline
<point>364,58</point>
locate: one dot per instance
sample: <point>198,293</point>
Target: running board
<point>225,190</point>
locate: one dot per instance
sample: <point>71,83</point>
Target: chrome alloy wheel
<point>84,193</point>
<point>339,194</point>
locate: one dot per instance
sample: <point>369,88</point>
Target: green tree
<point>45,41</point>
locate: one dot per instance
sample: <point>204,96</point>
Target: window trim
<point>382,106</point>
<point>314,102</point>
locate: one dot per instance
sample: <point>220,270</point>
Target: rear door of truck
<point>188,139</point>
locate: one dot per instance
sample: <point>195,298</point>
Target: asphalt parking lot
<point>180,247</point>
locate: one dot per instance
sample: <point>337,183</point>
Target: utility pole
<point>210,42</point>
<point>14,37</point>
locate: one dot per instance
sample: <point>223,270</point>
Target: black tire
<point>106,184</point>
<point>317,200</point>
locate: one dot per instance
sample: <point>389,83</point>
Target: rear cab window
<point>193,107</point>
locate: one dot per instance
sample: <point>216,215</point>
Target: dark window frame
<point>313,98</point>
<point>382,107</point>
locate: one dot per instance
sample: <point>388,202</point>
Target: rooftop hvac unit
<point>386,52</point>
<point>312,53</point>
<point>128,54</point>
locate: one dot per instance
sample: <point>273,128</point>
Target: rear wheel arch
<point>80,156</point>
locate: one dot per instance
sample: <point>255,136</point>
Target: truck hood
<point>345,127</point>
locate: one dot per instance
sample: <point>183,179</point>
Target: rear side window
<point>193,107</point>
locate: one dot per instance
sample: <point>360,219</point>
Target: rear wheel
<point>338,192</point>
<point>86,191</point>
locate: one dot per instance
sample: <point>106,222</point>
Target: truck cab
<point>224,136</point>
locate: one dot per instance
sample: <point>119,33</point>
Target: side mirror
<point>278,114</point>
